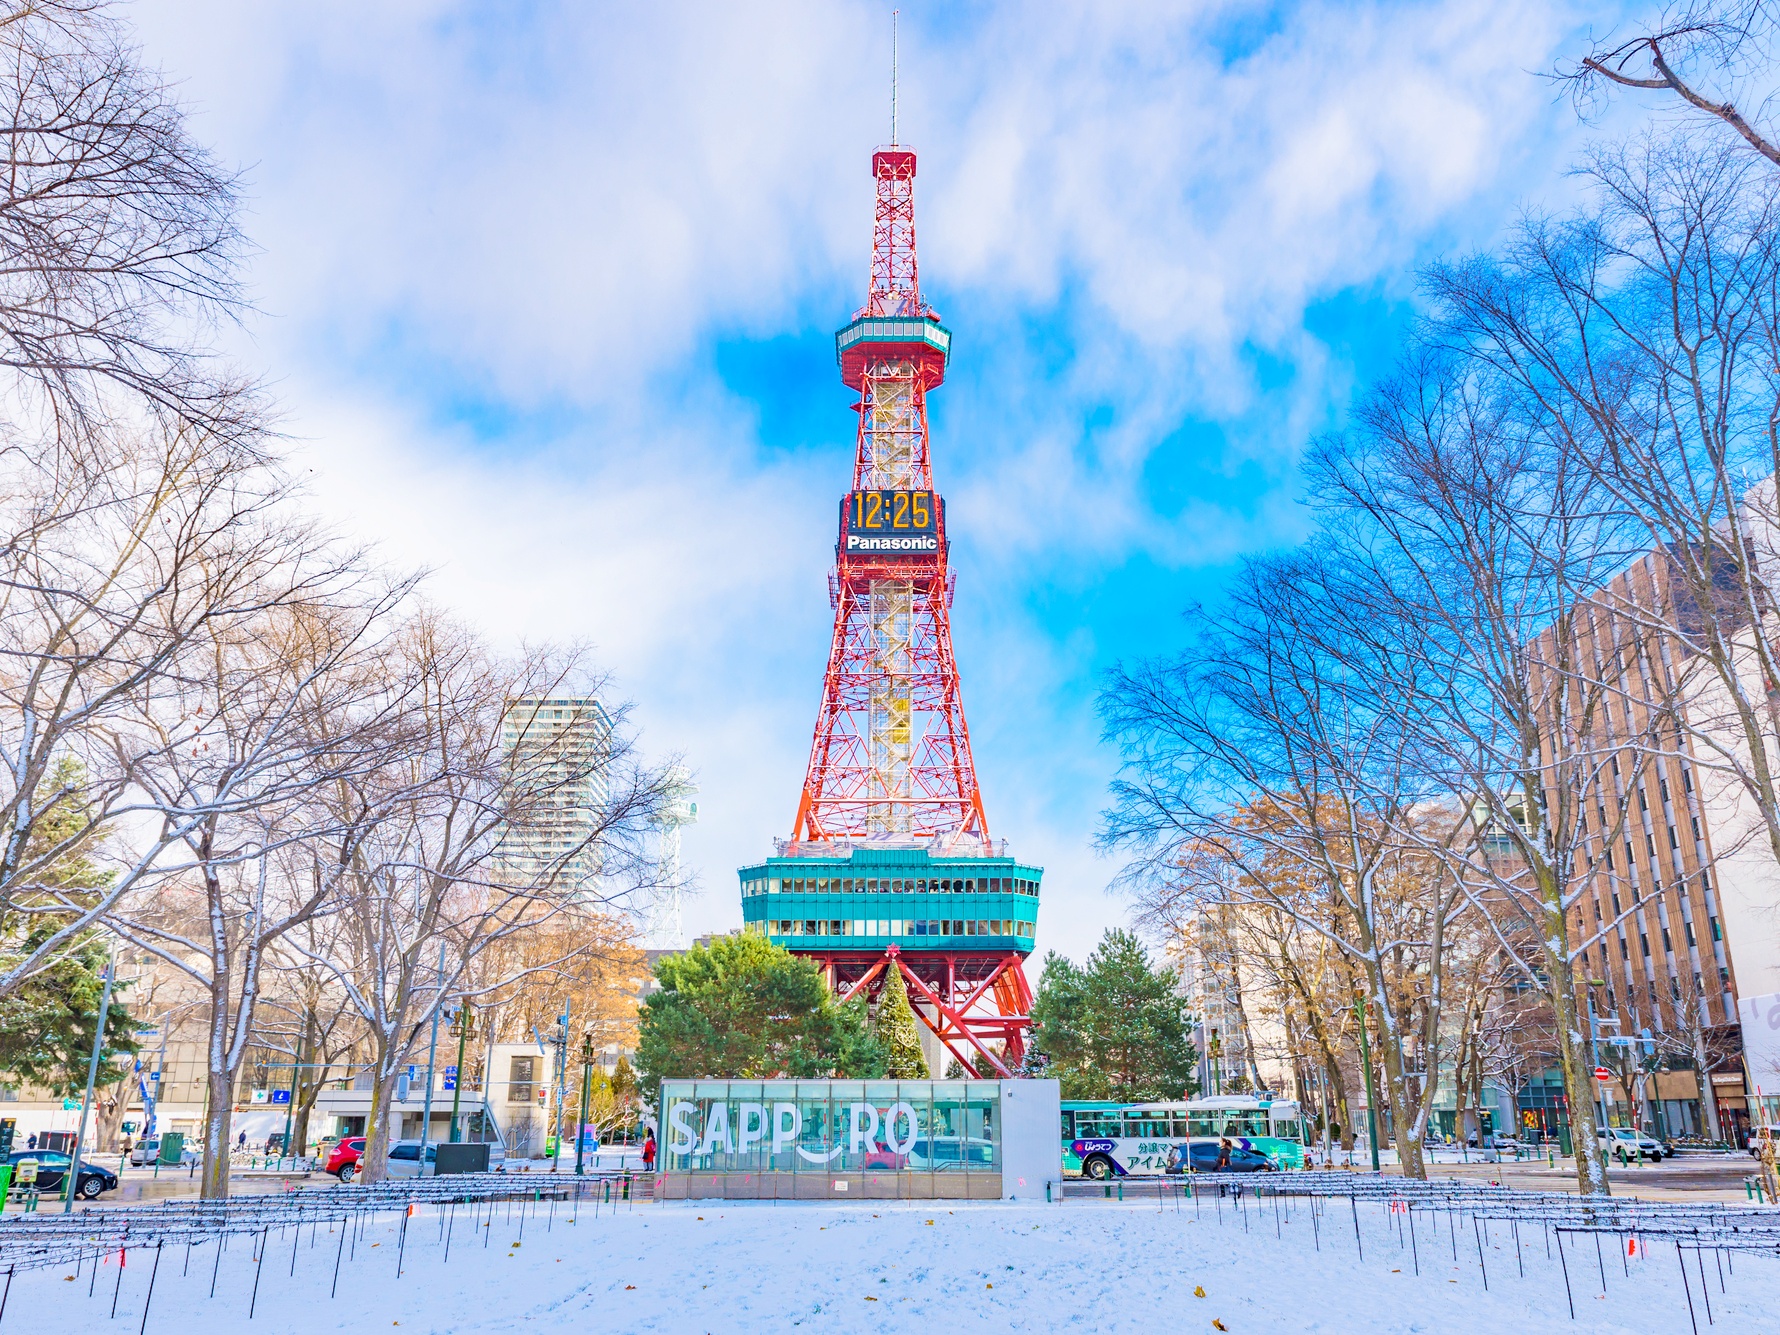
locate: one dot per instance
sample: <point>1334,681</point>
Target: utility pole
<point>432,1050</point>
<point>86,1103</point>
<point>1371,1094</point>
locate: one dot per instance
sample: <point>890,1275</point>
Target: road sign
<point>281,1096</point>
<point>1602,1073</point>
<point>450,1077</point>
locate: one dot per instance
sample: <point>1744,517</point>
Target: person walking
<point>649,1152</point>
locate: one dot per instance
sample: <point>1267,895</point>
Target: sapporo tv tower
<point>890,864</point>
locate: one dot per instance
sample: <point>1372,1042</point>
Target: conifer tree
<point>897,1033</point>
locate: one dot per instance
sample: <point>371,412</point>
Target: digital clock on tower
<point>890,523</point>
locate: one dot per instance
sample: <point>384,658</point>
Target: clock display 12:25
<point>892,511</point>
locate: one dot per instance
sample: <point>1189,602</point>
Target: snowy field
<point>722,1267</point>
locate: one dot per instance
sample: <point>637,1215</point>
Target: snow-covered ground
<point>722,1267</point>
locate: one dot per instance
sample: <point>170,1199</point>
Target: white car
<point>145,1152</point>
<point>405,1161</point>
<point>1626,1143</point>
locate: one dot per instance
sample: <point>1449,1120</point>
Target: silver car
<point>405,1161</point>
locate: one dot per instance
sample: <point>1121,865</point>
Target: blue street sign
<point>281,1096</point>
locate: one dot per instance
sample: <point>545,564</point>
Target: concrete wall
<point>1031,1142</point>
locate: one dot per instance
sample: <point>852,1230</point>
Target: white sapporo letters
<point>866,1130</point>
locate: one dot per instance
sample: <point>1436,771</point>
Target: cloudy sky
<point>549,292</point>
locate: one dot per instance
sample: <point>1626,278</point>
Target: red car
<point>343,1162</point>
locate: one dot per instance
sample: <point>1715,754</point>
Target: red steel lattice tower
<point>891,753</point>
<point>890,865</point>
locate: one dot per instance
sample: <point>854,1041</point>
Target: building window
<point>521,1071</point>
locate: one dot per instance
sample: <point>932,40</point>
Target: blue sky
<point>548,291</point>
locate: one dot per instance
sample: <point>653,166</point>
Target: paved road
<point>1688,1178</point>
<point>1684,1178</point>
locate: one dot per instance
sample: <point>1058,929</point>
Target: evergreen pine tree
<point>897,1033</point>
<point>1116,1029</point>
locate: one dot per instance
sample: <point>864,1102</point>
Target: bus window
<point>1286,1130</point>
<point>1181,1127</point>
<point>1203,1124</point>
<point>1143,1128</point>
<point>1068,1119</point>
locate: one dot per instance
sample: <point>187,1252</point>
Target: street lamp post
<point>463,1027</point>
<point>1371,1095</point>
<point>560,1038</point>
<point>290,1105</point>
<point>586,1098</point>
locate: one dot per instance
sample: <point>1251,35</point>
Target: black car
<point>1205,1159</point>
<point>52,1171</point>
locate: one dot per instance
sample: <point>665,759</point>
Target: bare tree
<point>1483,542</point>
<point>1726,41</point>
<point>119,232</point>
<point>308,1018</point>
<point>450,877</point>
<point>1268,755</point>
<point>292,705</point>
<point>127,551</point>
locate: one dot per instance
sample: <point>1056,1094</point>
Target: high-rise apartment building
<point>556,749</point>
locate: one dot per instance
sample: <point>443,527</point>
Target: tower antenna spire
<point>893,16</point>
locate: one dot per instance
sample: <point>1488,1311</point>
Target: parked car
<point>952,1154</point>
<point>145,1152</point>
<point>405,1160</point>
<point>1203,1155</point>
<point>1625,1143</point>
<point>1755,1139</point>
<point>52,1171</point>
<point>343,1161</point>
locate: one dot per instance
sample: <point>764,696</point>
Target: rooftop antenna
<point>893,15</point>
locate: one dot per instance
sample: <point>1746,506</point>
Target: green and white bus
<point>1105,1140</point>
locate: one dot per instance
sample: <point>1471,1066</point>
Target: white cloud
<point>555,209</point>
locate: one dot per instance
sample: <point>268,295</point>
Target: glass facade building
<point>829,1139</point>
<point>872,897</point>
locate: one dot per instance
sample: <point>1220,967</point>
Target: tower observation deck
<point>890,864</point>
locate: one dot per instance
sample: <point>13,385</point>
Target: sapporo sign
<point>858,1128</point>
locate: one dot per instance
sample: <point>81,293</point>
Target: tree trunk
<point>1390,1054</point>
<point>219,1105</point>
<point>1703,1076</point>
<point>374,1163</point>
<point>1579,1076</point>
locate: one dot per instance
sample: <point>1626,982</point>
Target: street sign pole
<point>432,1048</point>
<point>86,1103</point>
